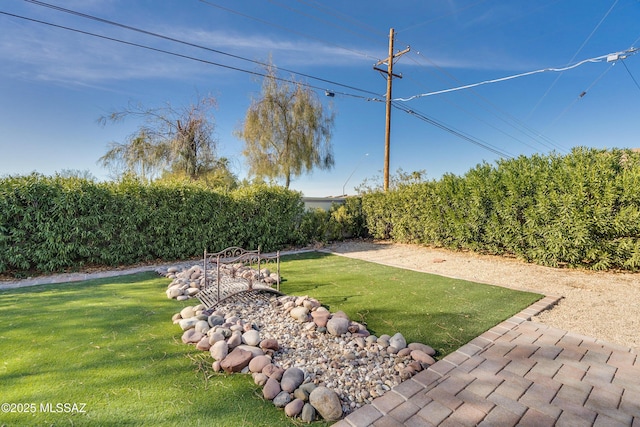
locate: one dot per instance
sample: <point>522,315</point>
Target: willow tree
<point>286,131</point>
<point>175,140</point>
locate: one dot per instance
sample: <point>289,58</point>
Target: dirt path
<point>603,305</point>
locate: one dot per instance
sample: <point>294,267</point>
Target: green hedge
<point>49,224</point>
<point>581,209</point>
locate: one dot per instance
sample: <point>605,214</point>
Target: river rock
<point>215,337</point>
<point>188,323</point>
<point>219,350</point>
<point>294,408</point>
<point>259,378</point>
<point>236,361</point>
<point>291,379</point>
<point>337,326</point>
<point>255,351</point>
<point>300,313</point>
<point>273,371</point>
<point>327,403</point>
<point>191,336</point>
<point>320,318</point>
<point>282,399</point>
<point>251,337</point>
<point>258,363</point>
<point>235,340</point>
<point>215,320</point>
<point>203,344</point>
<point>398,341</point>
<point>269,344</point>
<point>271,389</point>
<point>422,357</point>
<point>422,347</point>
<point>308,414</point>
<point>187,312</point>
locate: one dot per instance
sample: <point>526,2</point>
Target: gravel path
<point>602,305</point>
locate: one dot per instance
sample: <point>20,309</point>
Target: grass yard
<point>109,346</point>
<point>441,312</point>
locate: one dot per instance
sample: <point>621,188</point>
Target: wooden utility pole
<point>390,76</point>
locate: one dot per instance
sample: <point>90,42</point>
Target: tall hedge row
<point>51,224</point>
<point>580,209</point>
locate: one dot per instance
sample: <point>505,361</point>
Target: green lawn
<point>441,312</point>
<point>110,345</point>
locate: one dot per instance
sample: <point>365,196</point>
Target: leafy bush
<point>50,224</point>
<point>582,209</point>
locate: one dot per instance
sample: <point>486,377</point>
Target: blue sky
<point>55,83</point>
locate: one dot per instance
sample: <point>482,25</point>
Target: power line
<point>503,116</point>
<point>452,131</point>
<point>584,43</point>
<point>627,52</point>
<point>631,75</point>
<point>204,61</point>
<point>161,36</point>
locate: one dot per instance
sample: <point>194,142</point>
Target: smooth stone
<point>251,337</point>
<point>203,344</point>
<point>341,314</point>
<point>308,388</point>
<point>187,312</point>
<point>215,320</point>
<point>422,347</point>
<point>269,344</point>
<point>259,378</point>
<point>320,318</point>
<point>398,341</point>
<point>258,363</point>
<point>255,351</point>
<point>191,336</point>
<point>301,314</point>
<point>299,393</point>
<point>282,399</point>
<point>291,379</point>
<point>271,389</point>
<point>215,337</point>
<point>202,326</point>
<point>236,361</point>
<point>422,357</point>
<point>405,352</point>
<point>337,326</point>
<point>219,350</point>
<point>294,408</point>
<point>234,340</point>
<point>273,371</point>
<point>308,414</point>
<point>327,403</point>
<point>188,323</point>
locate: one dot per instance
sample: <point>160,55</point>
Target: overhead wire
<point>172,39</point>
<point>581,95</point>
<point>515,76</point>
<point>631,75</point>
<point>164,51</point>
<point>502,115</point>
<point>584,43</point>
<point>449,129</point>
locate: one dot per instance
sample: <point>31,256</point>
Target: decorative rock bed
<point>308,361</point>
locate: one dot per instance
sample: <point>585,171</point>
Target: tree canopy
<point>286,131</point>
<point>177,142</point>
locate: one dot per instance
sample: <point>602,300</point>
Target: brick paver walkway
<point>519,373</point>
